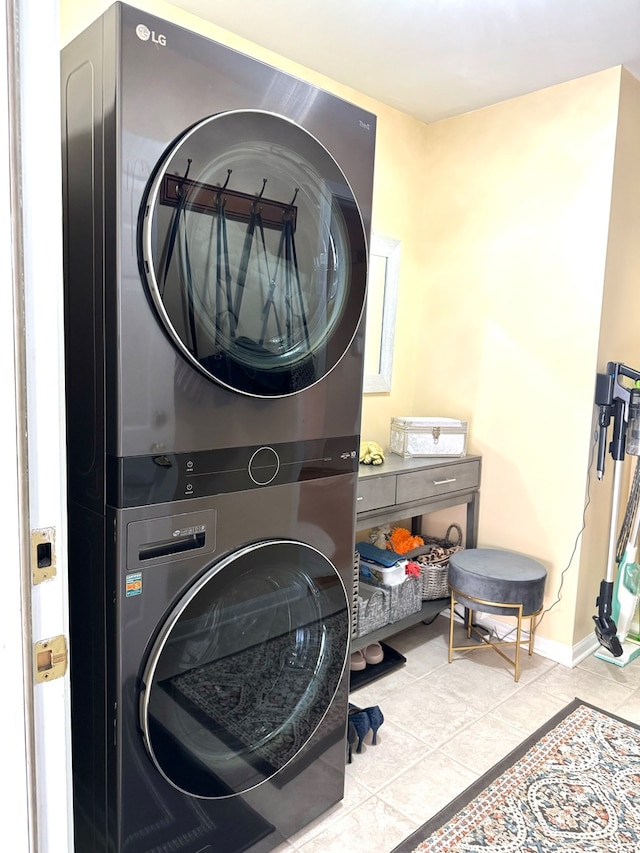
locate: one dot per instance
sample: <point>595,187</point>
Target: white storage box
<point>390,575</point>
<point>428,437</point>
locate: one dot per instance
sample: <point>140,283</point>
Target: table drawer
<point>416,485</point>
<point>376,493</point>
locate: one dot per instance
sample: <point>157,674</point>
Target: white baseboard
<point>569,656</point>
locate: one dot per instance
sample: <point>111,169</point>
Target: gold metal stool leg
<point>468,617</point>
<point>532,633</point>
<point>451,621</point>
<point>518,641</point>
<point>515,611</point>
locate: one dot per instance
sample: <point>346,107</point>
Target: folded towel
<point>378,555</point>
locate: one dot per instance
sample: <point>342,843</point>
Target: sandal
<point>373,653</point>
<point>358,661</point>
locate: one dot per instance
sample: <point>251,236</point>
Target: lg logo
<point>145,34</point>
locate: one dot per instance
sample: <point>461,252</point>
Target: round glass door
<point>245,668</point>
<point>254,253</point>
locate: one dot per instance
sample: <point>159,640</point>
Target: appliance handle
<point>171,546</point>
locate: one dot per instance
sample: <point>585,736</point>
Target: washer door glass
<point>254,253</point>
<point>245,669</point>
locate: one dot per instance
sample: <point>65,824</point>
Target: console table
<point>410,488</point>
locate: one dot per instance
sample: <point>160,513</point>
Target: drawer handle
<point>442,482</point>
<point>359,499</point>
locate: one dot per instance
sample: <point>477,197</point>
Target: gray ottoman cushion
<point>494,575</point>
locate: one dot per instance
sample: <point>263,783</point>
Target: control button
<point>264,466</point>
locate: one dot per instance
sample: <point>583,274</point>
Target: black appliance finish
<point>216,219</point>
<point>217,213</point>
<point>209,700</point>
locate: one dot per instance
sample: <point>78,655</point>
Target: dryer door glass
<point>254,253</point>
<point>246,669</point>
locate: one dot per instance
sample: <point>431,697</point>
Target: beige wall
<point>503,216</point>
<point>619,338</point>
<point>517,219</point>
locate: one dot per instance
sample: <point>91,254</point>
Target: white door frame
<point>36,785</point>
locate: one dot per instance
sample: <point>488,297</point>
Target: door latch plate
<point>50,659</point>
<point>43,554</point>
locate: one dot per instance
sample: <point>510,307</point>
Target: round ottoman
<point>500,582</point>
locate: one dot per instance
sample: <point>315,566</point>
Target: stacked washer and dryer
<point>216,215</point>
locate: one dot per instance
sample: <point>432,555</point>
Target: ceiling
<point>438,58</point>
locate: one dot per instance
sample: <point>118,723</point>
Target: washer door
<point>245,669</point>
<point>254,253</point>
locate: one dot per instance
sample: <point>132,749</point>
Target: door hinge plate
<point>43,554</point>
<point>50,659</point>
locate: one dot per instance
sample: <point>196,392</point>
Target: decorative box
<point>413,437</point>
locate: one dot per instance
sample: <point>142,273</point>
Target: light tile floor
<point>445,725</point>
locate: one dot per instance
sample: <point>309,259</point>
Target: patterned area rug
<point>573,786</point>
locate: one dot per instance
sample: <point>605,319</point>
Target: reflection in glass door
<point>254,253</point>
<point>245,668</point>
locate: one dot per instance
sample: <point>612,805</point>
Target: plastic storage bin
<point>388,575</point>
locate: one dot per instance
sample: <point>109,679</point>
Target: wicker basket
<point>435,581</point>
<point>433,560</point>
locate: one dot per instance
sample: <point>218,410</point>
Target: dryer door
<point>245,669</point>
<point>254,253</point>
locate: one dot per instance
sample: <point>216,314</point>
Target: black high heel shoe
<point>361,723</point>
<point>376,719</point>
<point>352,737</point>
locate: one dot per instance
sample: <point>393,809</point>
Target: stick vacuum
<point>623,405</point>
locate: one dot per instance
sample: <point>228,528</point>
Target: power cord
<point>432,620</point>
<point>492,631</point>
<point>477,625</point>
<point>580,532</point>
